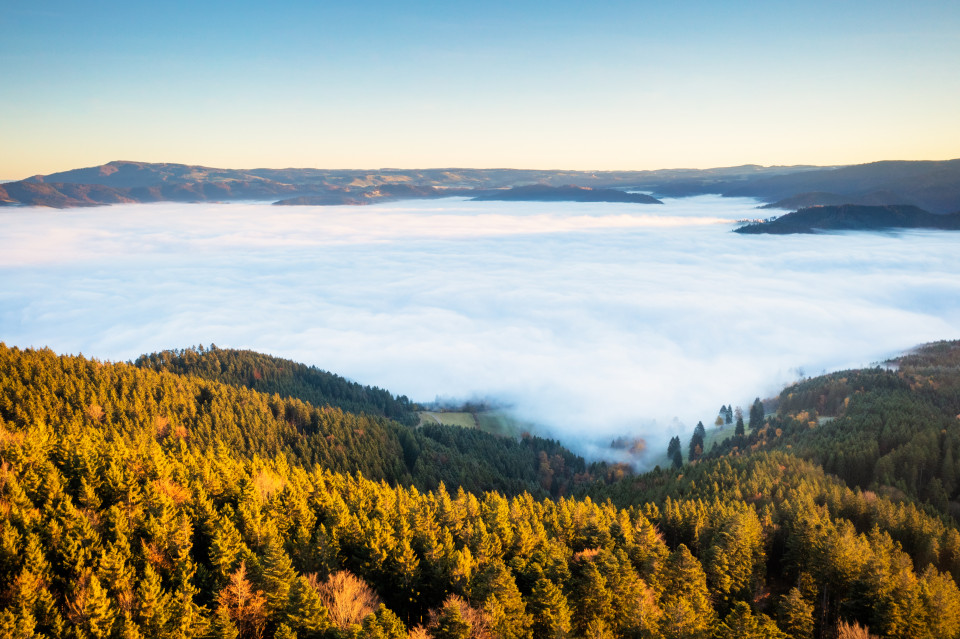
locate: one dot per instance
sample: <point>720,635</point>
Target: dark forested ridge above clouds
<point>852,217</point>
<point>934,186</point>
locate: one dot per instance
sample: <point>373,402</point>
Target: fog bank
<point>592,320</point>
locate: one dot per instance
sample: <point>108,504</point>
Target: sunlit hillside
<point>164,500</point>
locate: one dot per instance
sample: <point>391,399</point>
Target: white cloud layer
<point>592,320</point>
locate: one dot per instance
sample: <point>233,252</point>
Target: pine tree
<point>226,547</point>
<point>796,615</point>
<point>756,415</point>
<point>449,622</point>
<point>594,599</point>
<point>502,603</point>
<point>284,632</point>
<point>278,575</point>
<point>598,629</point>
<point>129,628</point>
<point>223,625</point>
<point>735,558</point>
<point>674,452</point>
<point>697,442</point>
<point>98,615</point>
<point>383,624</point>
<point>686,599</point>
<point>305,612</point>
<point>152,605</point>
<point>741,623</point>
<point>17,626</point>
<point>551,614</point>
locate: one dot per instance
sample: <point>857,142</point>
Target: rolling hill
<point>170,498</point>
<point>934,186</point>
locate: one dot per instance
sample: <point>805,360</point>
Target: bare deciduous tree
<point>853,631</point>
<point>418,632</point>
<point>348,598</point>
<point>245,606</point>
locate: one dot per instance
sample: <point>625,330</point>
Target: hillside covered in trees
<point>269,374</point>
<point>853,217</point>
<point>205,494</point>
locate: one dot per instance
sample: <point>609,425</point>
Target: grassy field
<point>494,422</point>
<point>714,435</point>
<point>466,420</point>
<point>502,424</point>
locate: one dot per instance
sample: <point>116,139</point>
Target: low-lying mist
<point>590,320</point>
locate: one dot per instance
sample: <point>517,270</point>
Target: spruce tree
<point>796,615</point>
<point>305,612</point>
<point>674,452</point>
<point>756,415</point>
<point>278,575</point>
<point>697,442</point>
<point>551,614</point>
<point>450,623</point>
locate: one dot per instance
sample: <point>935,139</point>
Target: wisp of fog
<point>589,320</point>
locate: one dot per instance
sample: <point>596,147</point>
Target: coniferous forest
<point>220,493</point>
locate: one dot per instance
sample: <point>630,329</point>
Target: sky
<point>590,321</point>
<point>560,84</point>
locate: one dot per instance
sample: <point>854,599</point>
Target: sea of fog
<point>590,320</point>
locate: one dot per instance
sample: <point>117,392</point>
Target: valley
<point>167,496</point>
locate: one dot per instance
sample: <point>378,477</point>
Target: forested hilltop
<point>173,499</point>
<point>270,374</point>
<point>853,217</point>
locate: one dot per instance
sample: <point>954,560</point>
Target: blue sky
<point>550,85</point>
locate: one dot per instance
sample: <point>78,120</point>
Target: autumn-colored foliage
<point>255,525</point>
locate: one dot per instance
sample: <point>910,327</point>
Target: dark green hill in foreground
<point>891,431</point>
<point>269,374</point>
<point>144,503</point>
<point>853,217</point>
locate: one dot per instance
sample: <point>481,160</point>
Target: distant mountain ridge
<point>933,186</point>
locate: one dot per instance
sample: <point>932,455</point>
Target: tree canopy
<point>137,502</point>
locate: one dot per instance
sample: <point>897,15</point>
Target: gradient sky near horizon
<point>611,85</point>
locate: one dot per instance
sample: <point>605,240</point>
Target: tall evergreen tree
<point>756,415</point>
<point>741,623</point>
<point>278,575</point>
<point>674,452</point>
<point>697,442</point>
<point>449,622</point>
<point>305,612</point>
<point>551,615</point>
<point>796,615</point>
